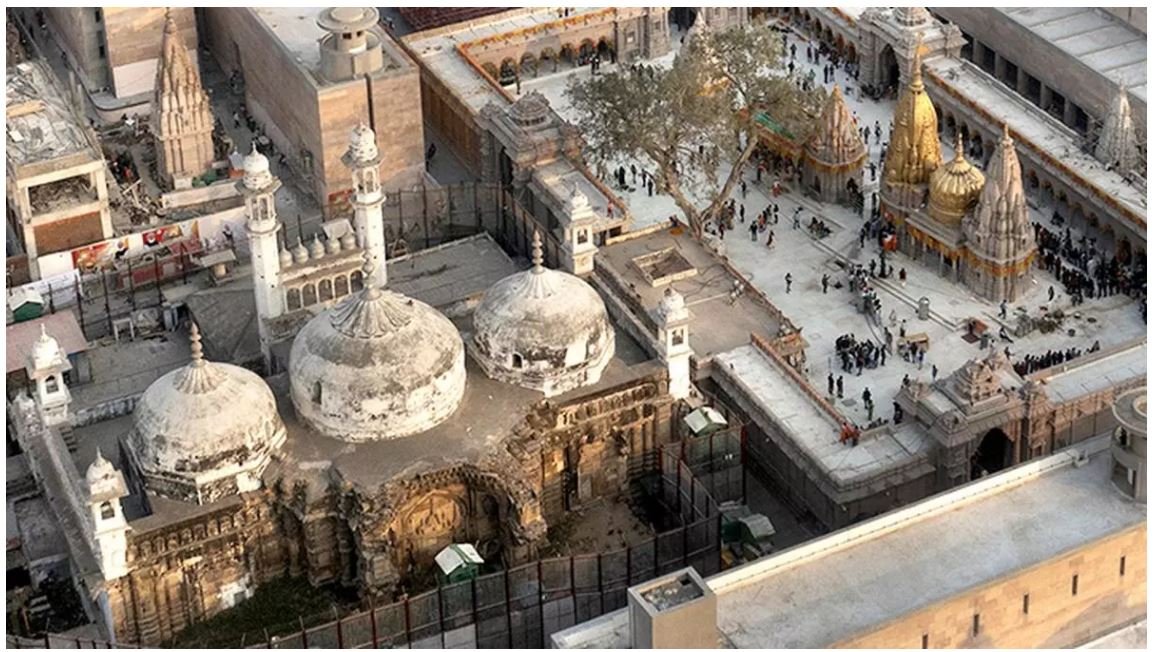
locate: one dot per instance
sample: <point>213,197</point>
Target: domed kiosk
<point>955,187</point>
<point>542,329</point>
<point>377,366</point>
<point>185,442</point>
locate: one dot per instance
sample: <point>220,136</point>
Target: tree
<point>697,115</point>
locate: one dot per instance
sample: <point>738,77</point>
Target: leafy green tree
<point>693,118</point>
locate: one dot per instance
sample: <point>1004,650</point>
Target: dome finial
<point>367,269</point>
<point>538,257</point>
<point>197,349</point>
<point>1006,132</point>
<point>958,155</point>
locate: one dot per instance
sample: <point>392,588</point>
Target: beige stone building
<point>941,573</point>
<point>56,191</point>
<point>310,76</point>
<point>115,51</point>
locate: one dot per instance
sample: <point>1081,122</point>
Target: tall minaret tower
<point>673,340</point>
<point>182,121</point>
<point>258,187</point>
<point>45,367</point>
<point>106,488</point>
<point>364,160</point>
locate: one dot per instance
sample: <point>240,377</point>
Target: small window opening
<point>317,392</point>
<point>106,511</point>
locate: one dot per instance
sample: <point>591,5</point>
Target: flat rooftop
<point>1040,129</point>
<point>297,30</point>
<point>41,125</point>
<point>1100,41</point>
<point>1080,377</point>
<point>848,582</point>
<point>717,323</point>
<point>437,48</point>
<point>814,430</point>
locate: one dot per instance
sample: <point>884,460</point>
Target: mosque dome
<point>286,258</point>
<point>300,253</point>
<point>257,174</point>
<point>543,329</point>
<point>348,241</point>
<point>377,366</point>
<point>317,248</point>
<point>206,430</point>
<point>955,187</point>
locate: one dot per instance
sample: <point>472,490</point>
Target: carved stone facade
<point>563,455</point>
<point>834,154</point>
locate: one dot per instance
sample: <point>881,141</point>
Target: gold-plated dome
<point>914,151</point>
<point>955,186</point>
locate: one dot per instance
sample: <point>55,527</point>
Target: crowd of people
<point>1084,270</point>
<point>856,356</point>
<point>1028,364</point>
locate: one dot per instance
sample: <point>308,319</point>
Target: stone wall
<point>1110,593</point>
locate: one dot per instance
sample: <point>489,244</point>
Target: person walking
<point>825,283</point>
<point>830,384</point>
<point>1002,309</point>
<point>839,386</point>
<point>788,282</point>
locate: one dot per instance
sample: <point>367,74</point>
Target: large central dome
<point>543,329</point>
<point>378,365</point>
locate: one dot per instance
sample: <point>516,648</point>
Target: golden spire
<point>915,151</point>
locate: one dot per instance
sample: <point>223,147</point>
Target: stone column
<point>1023,82</point>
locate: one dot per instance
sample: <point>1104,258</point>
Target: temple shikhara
<point>426,327</point>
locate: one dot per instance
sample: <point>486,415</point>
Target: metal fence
<point>522,606</point>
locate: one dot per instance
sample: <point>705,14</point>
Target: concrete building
<point>312,75</point>
<point>56,190</point>
<point>1068,61</point>
<point>941,573</point>
<point>115,52</point>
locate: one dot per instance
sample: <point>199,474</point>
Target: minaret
<point>1116,144</point>
<point>999,239</point>
<point>106,488</point>
<point>673,339</point>
<point>258,187</point>
<point>182,119</point>
<point>579,247</point>
<point>45,367</point>
<point>364,160</point>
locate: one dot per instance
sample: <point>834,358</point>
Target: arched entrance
<point>683,17</point>
<point>994,453</point>
<point>888,71</point>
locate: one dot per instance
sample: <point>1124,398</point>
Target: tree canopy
<point>696,117</point>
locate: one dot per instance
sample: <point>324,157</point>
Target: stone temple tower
<point>364,160</point>
<point>182,121</point>
<point>998,236</point>
<point>834,153</point>
<point>1117,145</point>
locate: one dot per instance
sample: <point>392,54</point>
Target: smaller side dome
<point>542,329</point>
<point>317,248</point>
<point>300,253</point>
<point>286,258</point>
<point>955,187</point>
<point>348,241</point>
<point>188,446</point>
<point>530,110</point>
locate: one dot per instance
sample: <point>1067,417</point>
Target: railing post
<point>304,634</point>
<point>373,623</point>
<point>508,609</point>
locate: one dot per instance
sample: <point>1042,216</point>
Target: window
<point>1026,603</point>
<point>309,294</point>
<point>97,15</point>
<point>1074,585</point>
<point>518,361</point>
<point>326,290</point>
<point>977,623</point>
<point>925,641</point>
<point>317,392</point>
<point>1122,566</point>
<point>106,511</point>
<point>678,337</point>
<point>294,299</point>
<point>348,36</point>
<point>100,52</point>
<point>51,385</point>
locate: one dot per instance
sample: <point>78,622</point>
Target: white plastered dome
<point>543,329</point>
<point>377,366</point>
<point>206,430</point>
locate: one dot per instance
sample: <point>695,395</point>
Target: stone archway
<point>889,73</point>
<point>994,453</point>
<point>529,62</point>
<point>508,72</point>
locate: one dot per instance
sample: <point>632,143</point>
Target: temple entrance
<point>683,17</point>
<point>995,453</point>
<point>889,73</point>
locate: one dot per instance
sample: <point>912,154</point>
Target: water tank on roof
<point>352,47</point>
